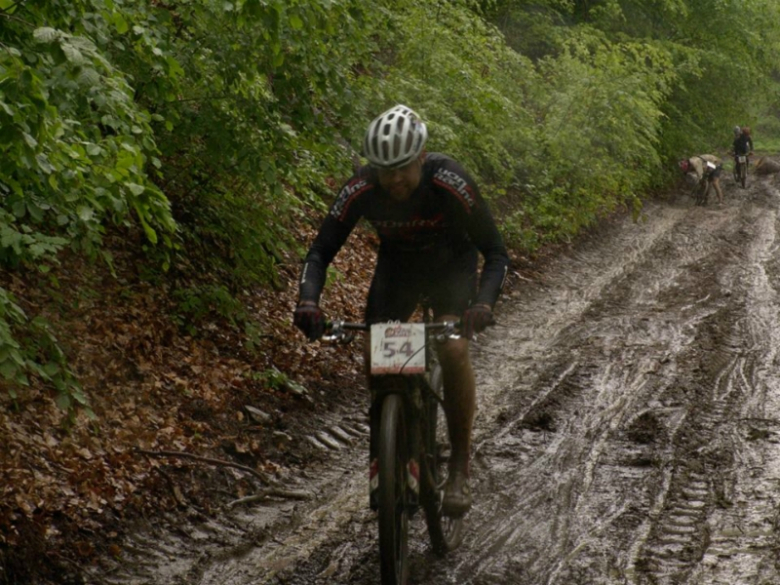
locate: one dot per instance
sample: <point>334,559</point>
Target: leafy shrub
<point>213,124</point>
<point>28,348</point>
<point>195,304</point>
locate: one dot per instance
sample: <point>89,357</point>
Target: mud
<point>627,431</point>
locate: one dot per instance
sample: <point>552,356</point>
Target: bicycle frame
<point>741,164</point>
<point>418,395</point>
<point>415,390</point>
<point>406,416</point>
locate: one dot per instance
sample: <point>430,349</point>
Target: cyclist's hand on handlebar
<point>475,319</point>
<point>309,318</point>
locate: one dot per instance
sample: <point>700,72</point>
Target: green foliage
<point>248,123</point>
<point>628,87</point>
<point>74,145</point>
<point>598,132</point>
<point>206,303</point>
<point>212,124</point>
<point>74,152</point>
<point>767,134</point>
<point>229,108</point>
<point>459,74</point>
<point>28,348</point>
<point>277,380</point>
<point>196,303</point>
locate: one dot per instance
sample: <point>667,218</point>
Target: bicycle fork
<point>412,409</point>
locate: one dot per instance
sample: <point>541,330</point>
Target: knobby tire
<point>393,508</point>
<point>743,175</point>
<point>446,533</point>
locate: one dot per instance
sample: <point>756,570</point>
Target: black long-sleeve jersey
<point>444,218</point>
<point>743,145</point>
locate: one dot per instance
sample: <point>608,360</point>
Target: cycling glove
<point>475,319</point>
<point>309,319</point>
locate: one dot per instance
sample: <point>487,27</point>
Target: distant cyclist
<point>743,144</point>
<point>432,223</point>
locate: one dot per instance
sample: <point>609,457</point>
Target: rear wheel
<point>393,515</point>
<point>446,532</point>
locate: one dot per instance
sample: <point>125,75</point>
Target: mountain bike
<point>410,444</point>
<point>741,163</point>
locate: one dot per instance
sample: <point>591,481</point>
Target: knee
<point>454,353</point>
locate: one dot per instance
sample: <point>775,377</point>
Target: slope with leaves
<point>73,485</point>
<point>204,123</point>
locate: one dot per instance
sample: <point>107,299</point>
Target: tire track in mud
<point>722,539</point>
<point>668,477</point>
<point>627,432</point>
<point>269,542</point>
<point>677,532</point>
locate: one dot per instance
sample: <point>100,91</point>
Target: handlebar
<point>341,331</point>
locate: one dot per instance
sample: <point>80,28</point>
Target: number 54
<point>389,350</point>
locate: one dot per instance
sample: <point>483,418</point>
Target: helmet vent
<point>394,138</point>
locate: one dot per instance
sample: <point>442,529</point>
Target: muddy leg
<point>459,400</point>
<point>718,190</point>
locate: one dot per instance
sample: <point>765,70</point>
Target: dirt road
<point>627,433</point>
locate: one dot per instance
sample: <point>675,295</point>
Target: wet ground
<point>628,431</point>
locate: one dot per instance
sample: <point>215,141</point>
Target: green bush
<point>215,125</point>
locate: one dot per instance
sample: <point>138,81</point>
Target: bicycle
<point>410,442</point>
<point>741,163</point>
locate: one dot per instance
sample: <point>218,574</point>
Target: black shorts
<point>402,281</point>
<point>714,173</point>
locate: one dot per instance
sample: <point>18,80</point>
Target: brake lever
<point>337,333</point>
<point>449,332</point>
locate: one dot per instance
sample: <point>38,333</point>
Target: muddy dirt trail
<point>628,431</point>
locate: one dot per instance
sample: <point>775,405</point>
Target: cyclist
<point>432,223</point>
<point>743,144</point>
<point>707,168</point>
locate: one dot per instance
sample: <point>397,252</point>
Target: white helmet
<point>737,130</point>
<point>394,138</point>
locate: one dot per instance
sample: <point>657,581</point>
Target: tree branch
<point>181,454</point>
<point>272,492</point>
<point>7,11</point>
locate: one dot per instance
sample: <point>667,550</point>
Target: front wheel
<point>743,175</point>
<point>446,532</point>
<point>393,505</point>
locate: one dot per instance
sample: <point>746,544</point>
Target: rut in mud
<point>628,431</point>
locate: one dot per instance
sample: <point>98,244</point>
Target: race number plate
<point>742,159</point>
<point>398,348</point>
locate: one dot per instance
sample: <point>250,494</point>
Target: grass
<point>766,136</point>
<point>767,146</point>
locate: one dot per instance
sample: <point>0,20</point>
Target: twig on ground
<point>181,454</point>
<point>279,493</point>
<point>521,277</point>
